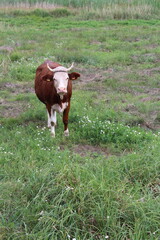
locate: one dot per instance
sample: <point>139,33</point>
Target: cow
<point>53,87</point>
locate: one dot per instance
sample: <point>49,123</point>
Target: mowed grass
<point>103,181</point>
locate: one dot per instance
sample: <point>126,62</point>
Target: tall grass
<point>84,3</point>
<point>116,9</point>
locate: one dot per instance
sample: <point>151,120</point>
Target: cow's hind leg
<point>51,119</point>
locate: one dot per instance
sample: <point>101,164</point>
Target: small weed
<point>15,56</point>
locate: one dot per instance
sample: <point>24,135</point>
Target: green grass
<point>48,193</point>
<point>109,187</point>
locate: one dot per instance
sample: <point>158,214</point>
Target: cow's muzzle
<point>61,91</point>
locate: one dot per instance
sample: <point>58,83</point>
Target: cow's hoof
<point>53,135</point>
<point>66,133</point>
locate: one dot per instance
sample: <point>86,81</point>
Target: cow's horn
<point>50,68</point>
<point>68,69</point>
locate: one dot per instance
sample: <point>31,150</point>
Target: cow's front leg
<point>65,120</point>
<point>51,120</point>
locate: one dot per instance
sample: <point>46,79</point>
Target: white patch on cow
<point>61,96</point>
<point>53,132</point>
<point>52,118</point>
<point>66,133</point>
<point>49,120</point>
<point>58,108</point>
<point>52,122</point>
<point>61,81</point>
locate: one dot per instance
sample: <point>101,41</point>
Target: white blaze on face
<point>60,78</point>
<point>61,82</point>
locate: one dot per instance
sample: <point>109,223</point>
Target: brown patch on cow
<point>52,124</point>
<point>89,150</point>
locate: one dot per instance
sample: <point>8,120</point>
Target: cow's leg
<point>53,122</point>
<point>65,120</point>
<point>51,119</point>
<point>49,115</point>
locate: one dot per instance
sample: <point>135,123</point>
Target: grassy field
<point>103,181</point>
<point>92,9</point>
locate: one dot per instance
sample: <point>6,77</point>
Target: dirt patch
<point>150,57</point>
<point>149,121</point>
<point>150,99</point>
<point>11,109</point>
<point>133,39</point>
<point>150,71</point>
<point>6,49</point>
<point>140,90</point>
<point>150,91</point>
<point>16,88</point>
<point>14,108</point>
<point>89,150</point>
<point>91,75</point>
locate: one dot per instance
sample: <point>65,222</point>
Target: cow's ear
<point>73,75</point>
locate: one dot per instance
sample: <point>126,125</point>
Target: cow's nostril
<point>62,90</point>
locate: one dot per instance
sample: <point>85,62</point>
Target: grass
<point>119,9</point>
<point>109,187</point>
<point>83,3</point>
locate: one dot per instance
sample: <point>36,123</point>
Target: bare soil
<point>6,48</point>
<point>16,88</point>
<point>13,109</point>
<point>89,150</point>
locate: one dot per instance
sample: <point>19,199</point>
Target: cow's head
<point>61,78</point>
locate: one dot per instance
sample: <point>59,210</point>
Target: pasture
<point>102,182</point>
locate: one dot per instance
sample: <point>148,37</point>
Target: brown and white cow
<point>53,87</point>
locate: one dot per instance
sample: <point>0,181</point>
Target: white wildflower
<point>69,188</point>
